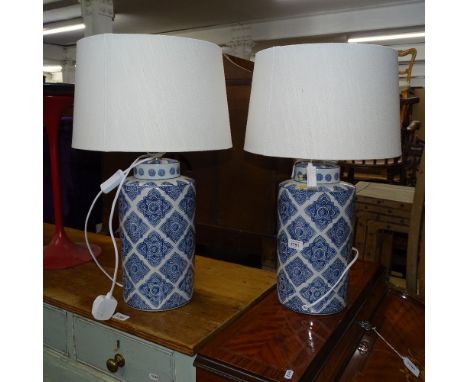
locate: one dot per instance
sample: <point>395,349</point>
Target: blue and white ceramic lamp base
<point>314,241</point>
<point>156,213</point>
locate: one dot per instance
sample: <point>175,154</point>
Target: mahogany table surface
<point>400,320</point>
<point>269,340</point>
<point>222,291</point>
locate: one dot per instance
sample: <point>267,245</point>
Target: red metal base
<point>62,253</point>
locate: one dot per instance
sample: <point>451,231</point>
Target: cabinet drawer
<point>55,328</point>
<point>96,343</point>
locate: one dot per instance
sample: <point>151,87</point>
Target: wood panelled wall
<point>236,190</point>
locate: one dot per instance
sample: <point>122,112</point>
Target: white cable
<point>406,361</point>
<point>104,305</point>
<point>308,306</point>
<point>136,162</point>
<point>388,343</point>
<point>87,241</point>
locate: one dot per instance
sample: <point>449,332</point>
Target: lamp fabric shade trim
<point>325,102</point>
<point>149,93</point>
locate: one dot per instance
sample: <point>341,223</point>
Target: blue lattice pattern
<point>158,242</point>
<point>315,227</point>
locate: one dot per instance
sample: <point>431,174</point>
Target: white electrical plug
<point>104,307</point>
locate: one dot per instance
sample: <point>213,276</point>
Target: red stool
<point>61,252</point>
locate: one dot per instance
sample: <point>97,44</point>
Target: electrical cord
<point>308,306</point>
<point>87,241</point>
<point>141,159</point>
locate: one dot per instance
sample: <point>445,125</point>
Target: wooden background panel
<point>246,181</point>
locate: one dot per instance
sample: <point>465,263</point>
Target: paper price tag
<point>295,244</point>
<point>288,374</point>
<point>411,366</point>
<point>120,316</point>
<point>311,175</point>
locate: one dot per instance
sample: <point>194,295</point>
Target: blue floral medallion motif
<point>135,227</point>
<point>187,244</point>
<point>296,304</point>
<point>339,232</point>
<point>152,172</point>
<point>300,195</point>
<point>322,211</point>
<point>125,245</point>
<point>132,189</point>
<point>298,271</point>
<point>174,190</point>
<point>350,212</point>
<point>284,252</point>
<point>319,253</point>
<point>300,230</point>
<point>342,195</point>
<point>154,248</point>
<point>138,303</point>
<point>136,269</point>
<point>187,204</point>
<point>186,284</point>
<point>174,268</point>
<point>334,306</point>
<point>334,271</point>
<point>154,207</point>
<point>343,290</point>
<point>285,288</point>
<point>174,227</point>
<point>123,206</point>
<point>174,301</point>
<point>286,208</point>
<point>155,289</point>
<point>128,286</point>
<point>316,289</point>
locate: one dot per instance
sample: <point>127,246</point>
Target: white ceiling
<point>162,16</point>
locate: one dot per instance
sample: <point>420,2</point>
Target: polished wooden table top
<point>222,292</point>
<point>269,341</point>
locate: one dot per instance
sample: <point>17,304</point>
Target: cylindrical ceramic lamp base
<point>157,212</point>
<point>315,230</point>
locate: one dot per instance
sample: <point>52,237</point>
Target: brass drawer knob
<point>113,364</point>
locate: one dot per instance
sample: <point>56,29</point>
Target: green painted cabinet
<point>77,349</point>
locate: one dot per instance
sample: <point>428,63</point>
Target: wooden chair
<point>406,73</point>
<point>392,170</point>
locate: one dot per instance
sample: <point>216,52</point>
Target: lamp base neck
<point>158,169</point>
<point>326,172</point>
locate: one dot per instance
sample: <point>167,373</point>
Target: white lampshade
<point>149,93</point>
<point>325,102</point>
